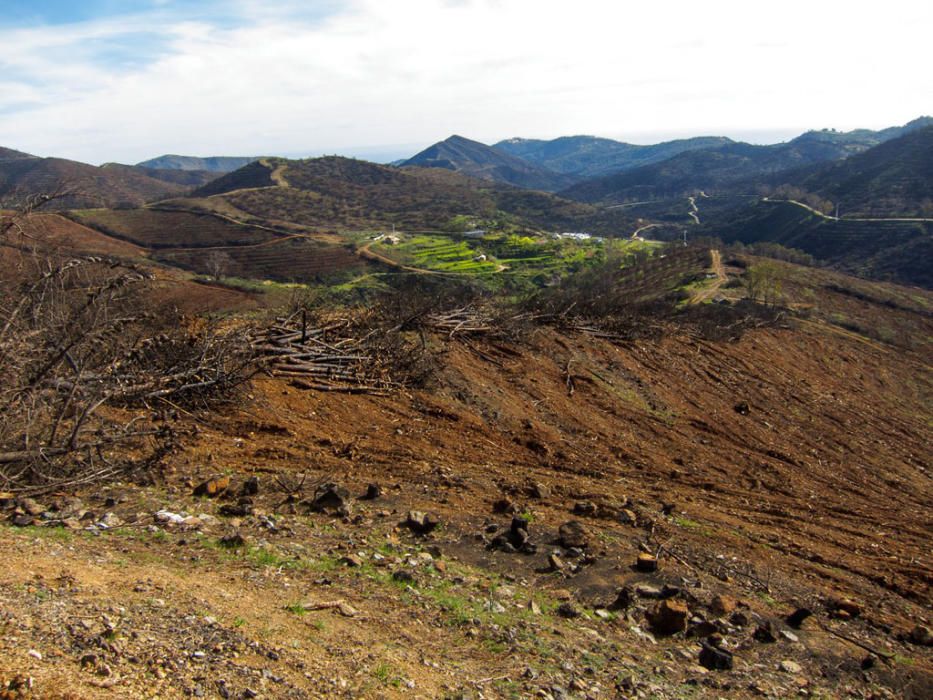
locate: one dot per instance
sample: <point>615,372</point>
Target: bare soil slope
<point>788,469</point>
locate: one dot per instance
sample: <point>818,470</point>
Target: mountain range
<point>212,164</point>
<point>487,163</point>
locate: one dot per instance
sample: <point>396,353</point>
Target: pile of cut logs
<point>323,358</point>
<point>466,321</point>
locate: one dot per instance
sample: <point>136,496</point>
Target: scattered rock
<point>625,598</point>
<point>504,505</point>
<point>212,487</point>
<point>586,508</point>
<point>31,507</point>
<point>573,534</point>
<point>646,590</point>
<point>628,517</point>
<point>701,628</point>
<point>796,618</point>
<point>232,541</point>
<point>352,561</point>
<point>556,563</point>
<point>789,636</point>
<point>715,658</point>
<point>250,487</point>
<point>22,520</point>
<point>849,607</point>
<point>35,654</point>
<point>331,498</point>
<point>722,605</point>
<point>168,518</point>
<point>236,510</point>
<point>568,610</point>
<point>516,539</point>
<point>373,491</point>
<point>540,491</point>
<point>765,632</point>
<point>494,606</point>
<point>742,408</point>
<point>739,619</point>
<point>788,666</point>
<point>403,576</point>
<point>921,636</point>
<point>421,523</point>
<point>646,562</point>
<point>669,617</point>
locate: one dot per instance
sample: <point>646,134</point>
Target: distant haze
<point>105,81</point>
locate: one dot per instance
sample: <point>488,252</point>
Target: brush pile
<point>325,357</point>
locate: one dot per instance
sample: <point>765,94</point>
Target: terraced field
<point>285,260</point>
<point>437,253</point>
<point>156,229</point>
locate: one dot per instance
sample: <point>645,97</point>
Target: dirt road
<point>707,293</point>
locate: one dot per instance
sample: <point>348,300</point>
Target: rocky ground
<point>564,518</point>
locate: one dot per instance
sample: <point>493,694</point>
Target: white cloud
<point>414,71</point>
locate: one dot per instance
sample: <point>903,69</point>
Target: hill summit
<point>487,163</point>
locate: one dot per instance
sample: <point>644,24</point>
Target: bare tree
<point>88,366</point>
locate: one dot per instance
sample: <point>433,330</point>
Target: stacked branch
<point>331,356</point>
<point>467,320</point>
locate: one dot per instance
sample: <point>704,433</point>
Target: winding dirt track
<point>709,292</point>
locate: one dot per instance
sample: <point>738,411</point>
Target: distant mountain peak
<point>478,160</point>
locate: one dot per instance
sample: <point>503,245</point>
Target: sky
<point>126,80</point>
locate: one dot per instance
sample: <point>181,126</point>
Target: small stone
<point>212,487</point>
<point>742,408</point>
<point>568,610</point>
<point>504,505</point>
<point>669,617</point>
<point>22,520</point>
<point>31,506</point>
<point>788,666</point>
<point>421,523</point>
<point>624,599</point>
<point>714,658</point>
<point>628,517</point>
<point>850,607</point>
<point>352,561</point>
<point>35,654</point>
<point>235,510</point>
<point>790,636</point>
<point>562,594</point>
<point>573,534</point>
<point>232,541</point>
<point>250,487</point>
<point>373,491</point>
<point>331,498</point>
<point>765,632</point>
<point>540,491</point>
<point>494,606</point>
<point>921,636</point>
<point>646,562</point>
<point>556,563</point>
<point>534,608</point>
<point>646,590</point>
<point>722,605</point>
<point>403,576</point>
<point>796,618</point>
<point>739,619</point>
